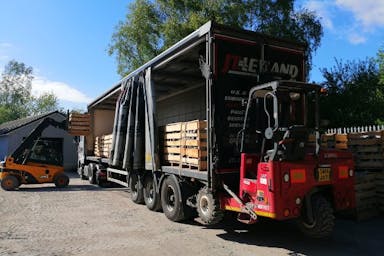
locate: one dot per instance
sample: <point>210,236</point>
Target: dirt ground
<point>84,219</point>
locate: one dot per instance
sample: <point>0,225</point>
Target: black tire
<point>92,173</point>
<point>61,180</point>
<point>98,181</point>
<point>81,172</point>
<point>323,223</point>
<point>208,208</point>
<point>136,189</point>
<point>170,200</point>
<point>151,197</point>
<point>10,183</point>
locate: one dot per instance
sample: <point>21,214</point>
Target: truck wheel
<point>81,172</point>
<point>10,183</point>
<point>136,189</point>
<point>91,173</point>
<point>98,173</point>
<point>151,197</point>
<point>170,200</point>
<point>323,219</point>
<point>61,180</point>
<point>208,207</point>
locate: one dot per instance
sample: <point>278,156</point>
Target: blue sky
<point>66,41</point>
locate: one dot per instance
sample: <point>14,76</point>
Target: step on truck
<point>220,122</point>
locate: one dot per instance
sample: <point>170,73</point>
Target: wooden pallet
<point>367,149</point>
<point>311,142</point>
<point>328,141</point>
<point>103,145</point>
<point>369,164</point>
<point>341,141</point>
<point>172,143</point>
<point>365,191</point>
<point>379,182</point>
<point>79,124</point>
<point>184,143</point>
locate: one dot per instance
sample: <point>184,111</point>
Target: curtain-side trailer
<point>217,122</point>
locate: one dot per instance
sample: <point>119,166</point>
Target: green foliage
<point>135,41</point>
<point>151,26</point>
<point>15,91</point>
<point>380,58</point>
<point>355,96</point>
<point>45,103</point>
<point>16,100</point>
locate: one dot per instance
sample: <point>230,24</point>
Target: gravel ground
<point>87,220</point>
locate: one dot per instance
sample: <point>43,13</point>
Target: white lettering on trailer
<point>240,65</point>
<point>232,98</point>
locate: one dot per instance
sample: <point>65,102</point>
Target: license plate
<point>323,174</point>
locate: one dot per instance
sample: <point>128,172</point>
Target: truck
<point>220,122</point>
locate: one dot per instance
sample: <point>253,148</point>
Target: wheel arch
<point>325,191</point>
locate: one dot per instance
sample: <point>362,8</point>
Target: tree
<point>380,57</point>
<point>150,26</point>
<point>45,103</point>
<point>16,100</point>
<point>355,96</point>
<point>15,91</point>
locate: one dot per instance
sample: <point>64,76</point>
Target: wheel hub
<point>204,205</point>
<point>150,190</point>
<point>170,198</point>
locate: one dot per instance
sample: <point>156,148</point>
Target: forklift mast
<point>23,151</point>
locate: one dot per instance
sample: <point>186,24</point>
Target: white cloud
<point>354,20</point>
<point>323,10</point>
<point>5,47</point>
<point>370,13</point>
<point>355,38</point>
<point>62,90</point>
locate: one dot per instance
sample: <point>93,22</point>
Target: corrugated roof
<point>15,124</point>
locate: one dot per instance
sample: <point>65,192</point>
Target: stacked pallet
<point>365,191</point>
<point>173,141</point>
<point>195,145</point>
<point>79,124</point>
<point>311,140</point>
<point>341,141</point>
<point>185,144</point>
<point>103,145</point>
<point>328,140</point>
<point>338,141</point>
<point>379,182</point>
<point>367,149</point>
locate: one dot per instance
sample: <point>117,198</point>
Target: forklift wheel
<point>10,183</point>
<point>61,180</point>
<point>208,207</point>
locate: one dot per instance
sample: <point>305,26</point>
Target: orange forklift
<point>35,161</point>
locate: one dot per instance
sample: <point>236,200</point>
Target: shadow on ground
<point>349,237</point>
<point>73,178</point>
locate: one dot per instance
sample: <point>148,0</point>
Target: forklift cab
<point>278,119</point>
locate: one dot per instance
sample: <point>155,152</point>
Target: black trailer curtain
<point>128,142</point>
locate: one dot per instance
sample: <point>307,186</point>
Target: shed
<point>12,134</point>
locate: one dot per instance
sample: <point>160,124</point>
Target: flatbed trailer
<point>210,78</point>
